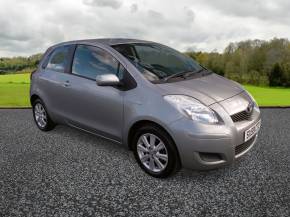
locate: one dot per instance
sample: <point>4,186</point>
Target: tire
<point>42,120</point>
<point>171,166</point>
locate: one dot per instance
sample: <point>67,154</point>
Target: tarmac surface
<point>66,172</point>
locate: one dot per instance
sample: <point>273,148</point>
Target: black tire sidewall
<point>173,160</point>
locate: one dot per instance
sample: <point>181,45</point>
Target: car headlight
<point>252,98</point>
<point>192,108</point>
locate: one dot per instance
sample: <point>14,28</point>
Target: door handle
<point>66,84</point>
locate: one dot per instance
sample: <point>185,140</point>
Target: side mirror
<point>108,80</point>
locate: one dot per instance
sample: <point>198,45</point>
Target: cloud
<point>31,26</point>
<point>103,3</point>
<point>134,8</point>
<point>190,14</point>
<point>276,11</point>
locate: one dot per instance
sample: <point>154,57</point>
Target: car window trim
<point>73,56</point>
<point>46,58</point>
<point>133,84</point>
<point>50,53</point>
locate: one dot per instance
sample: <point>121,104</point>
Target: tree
<point>251,61</point>
<point>276,75</point>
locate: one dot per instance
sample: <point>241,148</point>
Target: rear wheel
<point>155,151</point>
<point>41,117</point>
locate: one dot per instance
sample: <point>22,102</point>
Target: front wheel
<point>41,117</point>
<point>155,152</point>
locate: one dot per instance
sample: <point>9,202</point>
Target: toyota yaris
<point>163,105</point>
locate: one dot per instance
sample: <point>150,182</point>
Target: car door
<point>98,109</point>
<point>52,80</point>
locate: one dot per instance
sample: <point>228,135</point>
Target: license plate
<point>252,131</point>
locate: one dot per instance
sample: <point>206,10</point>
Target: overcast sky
<point>30,26</point>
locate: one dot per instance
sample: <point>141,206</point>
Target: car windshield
<point>157,61</point>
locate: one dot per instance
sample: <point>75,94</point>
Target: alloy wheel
<point>40,115</point>
<point>152,152</point>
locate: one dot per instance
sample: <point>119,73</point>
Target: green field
<point>270,96</point>
<point>14,92</point>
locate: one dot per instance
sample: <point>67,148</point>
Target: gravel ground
<point>66,172</point>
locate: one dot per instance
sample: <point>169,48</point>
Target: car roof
<point>106,41</point>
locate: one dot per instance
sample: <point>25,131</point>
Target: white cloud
<point>30,26</point>
<point>104,3</point>
<point>134,8</point>
<point>271,10</point>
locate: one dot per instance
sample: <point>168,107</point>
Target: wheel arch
<point>133,129</point>
<point>33,98</point>
<point>138,124</point>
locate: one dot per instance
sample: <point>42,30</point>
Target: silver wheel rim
<point>40,115</point>
<point>152,152</point>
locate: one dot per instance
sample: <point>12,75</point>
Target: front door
<point>98,109</point>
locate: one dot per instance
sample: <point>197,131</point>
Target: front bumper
<point>204,147</point>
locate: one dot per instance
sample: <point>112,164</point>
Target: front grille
<point>242,116</point>
<point>242,147</point>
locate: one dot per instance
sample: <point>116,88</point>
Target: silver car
<point>167,108</point>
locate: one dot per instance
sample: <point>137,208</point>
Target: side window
<point>58,59</point>
<point>91,61</point>
<point>121,72</point>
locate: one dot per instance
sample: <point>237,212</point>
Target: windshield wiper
<point>175,75</point>
<point>183,74</point>
<point>194,72</point>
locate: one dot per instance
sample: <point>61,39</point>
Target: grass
<point>270,96</point>
<point>15,79</point>
<point>14,95</point>
<point>14,92</point>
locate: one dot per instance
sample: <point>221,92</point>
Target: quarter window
<point>59,59</point>
<point>121,72</point>
<point>91,61</point>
